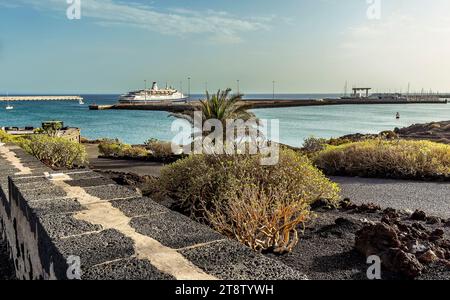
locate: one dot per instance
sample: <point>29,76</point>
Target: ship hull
<point>142,99</point>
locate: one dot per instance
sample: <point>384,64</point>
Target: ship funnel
<point>154,86</point>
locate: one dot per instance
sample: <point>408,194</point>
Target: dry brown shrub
<point>263,220</point>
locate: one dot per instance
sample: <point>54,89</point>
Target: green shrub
<point>117,149</point>
<point>338,141</point>
<point>158,148</point>
<point>135,152</point>
<point>20,140</point>
<point>52,128</point>
<point>220,190</point>
<point>3,136</point>
<point>388,135</point>
<point>8,138</point>
<point>113,148</point>
<point>382,158</point>
<point>55,151</point>
<point>313,144</point>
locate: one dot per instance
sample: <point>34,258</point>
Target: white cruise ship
<point>152,95</point>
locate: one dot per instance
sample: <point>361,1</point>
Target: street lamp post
<point>189,87</point>
<point>273,90</point>
<point>145,91</point>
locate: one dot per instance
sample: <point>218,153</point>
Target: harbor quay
<point>41,98</point>
<point>175,107</point>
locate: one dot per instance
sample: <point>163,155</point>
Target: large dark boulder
<point>375,239</point>
<point>383,240</point>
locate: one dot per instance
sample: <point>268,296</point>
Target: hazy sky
<point>304,45</point>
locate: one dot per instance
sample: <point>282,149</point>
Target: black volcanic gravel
<point>6,265</point>
<point>326,249</point>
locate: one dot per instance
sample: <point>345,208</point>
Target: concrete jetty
<point>176,107</point>
<point>41,98</point>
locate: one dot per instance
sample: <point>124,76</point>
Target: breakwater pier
<point>262,103</point>
<point>41,98</point>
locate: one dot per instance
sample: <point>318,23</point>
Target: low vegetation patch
<point>56,152</point>
<point>152,150</point>
<point>261,206</point>
<point>8,138</point>
<point>387,159</point>
<point>113,148</point>
<point>159,149</point>
<point>314,144</point>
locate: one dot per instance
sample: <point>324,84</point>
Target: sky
<point>305,46</point>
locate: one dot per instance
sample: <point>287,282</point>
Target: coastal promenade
<point>40,98</point>
<point>176,107</point>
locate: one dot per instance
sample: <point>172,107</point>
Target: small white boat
<point>9,106</point>
<point>81,102</point>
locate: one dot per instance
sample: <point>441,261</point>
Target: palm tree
<point>221,106</point>
<point>224,107</point>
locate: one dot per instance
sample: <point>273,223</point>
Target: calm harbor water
<point>295,123</point>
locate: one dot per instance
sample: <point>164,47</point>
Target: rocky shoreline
<point>435,131</point>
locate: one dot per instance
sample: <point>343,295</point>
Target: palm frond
<point>184,116</point>
<point>222,106</point>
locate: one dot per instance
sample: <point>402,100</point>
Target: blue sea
<point>295,123</point>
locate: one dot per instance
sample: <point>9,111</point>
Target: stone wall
<point>52,222</point>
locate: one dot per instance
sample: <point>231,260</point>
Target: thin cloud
<point>217,26</point>
<point>401,32</point>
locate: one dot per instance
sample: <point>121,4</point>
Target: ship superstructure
<point>152,95</point>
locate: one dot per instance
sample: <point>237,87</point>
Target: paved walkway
<point>431,197</point>
<point>141,168</point>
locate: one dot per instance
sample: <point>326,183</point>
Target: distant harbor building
<point>361,93</point>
